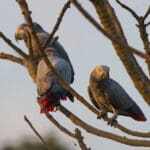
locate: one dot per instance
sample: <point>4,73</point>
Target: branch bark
<point>11,58</point>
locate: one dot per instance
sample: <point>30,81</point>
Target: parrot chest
<point>99,93</point>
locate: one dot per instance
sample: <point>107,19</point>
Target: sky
<point>87,48</point>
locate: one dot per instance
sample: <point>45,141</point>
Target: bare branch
<point>147,24</point>
<point>55,28</point>
<point>11,58</point>
<point>35,131</point>
<point>128,9</point>
<point>133,133</point>
<point>30,49</point>
<point>147,13</point>
<point>80,139</point>
<point>101,133</point>
<point>75,135</point>
<point>99,28</point>
<point>9,42</point>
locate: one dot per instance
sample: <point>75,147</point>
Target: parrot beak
<point>16,38</point>
<point>19,36</point>
<point>105,75</point>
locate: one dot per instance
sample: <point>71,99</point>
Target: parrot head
<point>23,31</point>
<point>101,72</point>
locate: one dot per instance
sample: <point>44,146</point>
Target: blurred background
<point>87,48</point>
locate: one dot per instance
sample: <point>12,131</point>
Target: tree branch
<point>80,139</point>
<point>147,13</point>
<point>9,42</point>
<point>129,9</point>
<point>55,28</point>
<point>77,135</point>
<point>36,132</point>
<point>11,58</point>
<point>101,133</point>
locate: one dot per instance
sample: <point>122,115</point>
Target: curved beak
<point>16,37</point>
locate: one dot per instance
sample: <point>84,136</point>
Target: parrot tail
<point>136,113</point>
<point>138,117</point>
<point>50,102</point>
<point>45,104</point>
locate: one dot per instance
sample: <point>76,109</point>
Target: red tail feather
<point>46,106</point>
<point>139,117</point>
<point>49,107</point>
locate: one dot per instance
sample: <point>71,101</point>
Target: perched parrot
<point>23,33</point>
<point>109,96</point>
<point>49,90</point>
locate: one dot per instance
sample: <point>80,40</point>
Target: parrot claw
<point>111,121</point>
<point>102,114</point>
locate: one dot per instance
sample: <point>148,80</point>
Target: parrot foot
<point>113,120</point>
<point>102,114</point>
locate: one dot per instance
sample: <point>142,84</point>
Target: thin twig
<point>55,28</point>
<point>35,131</point>
<point>147,24</point>
<point>11,58</point>
<point>129,9</point>
<point>9,42</point>
<point>80,139</point>
<point>29,43</point>
<point>147,13</point>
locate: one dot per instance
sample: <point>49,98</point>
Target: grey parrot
<point>49,90</point>
<point>109,96</point>
<point>23,33</point>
